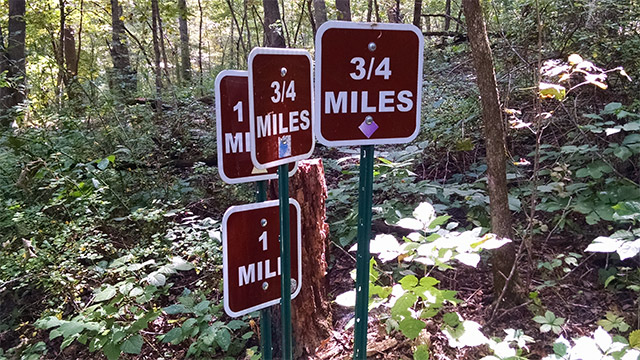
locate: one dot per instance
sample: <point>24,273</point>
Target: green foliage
<point>204,326</point>
<point>613,321</point>
<point>549,322</point>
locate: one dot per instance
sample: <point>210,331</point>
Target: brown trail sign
<point>368,83</point>
<point>232,131</point>
<point>251,256</point>
<point>280,106</point>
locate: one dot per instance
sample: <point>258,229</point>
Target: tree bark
<point>344,10</point>
<point>124,80</point>
<point>185,57</point>
<point>417,14</point>
<point>447,13</point>
<point>503,259</point>
<point>311,310</point>
<point>15,62</point>
<point>393,13</point>
<point>200,47</point>
<point>155,14</point>
<point>272,26</point>
<point>319,12</point>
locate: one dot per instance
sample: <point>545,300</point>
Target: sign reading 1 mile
<point>251,256</point>
<point>368,92</point>
<point>232,131</point>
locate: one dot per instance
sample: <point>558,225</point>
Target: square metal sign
<point>232,131</point>
<point>251,256</point>
<point>280,106</point>
<point>368,83</point>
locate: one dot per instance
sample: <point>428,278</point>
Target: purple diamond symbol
<point>368,128</point>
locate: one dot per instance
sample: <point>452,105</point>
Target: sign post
<point>280,110</point>
<point>368,91</point>
<point>234,159</point>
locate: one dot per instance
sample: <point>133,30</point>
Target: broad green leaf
<point>560,349</point>
<point>187,325</point>
<point>132,345</point>
<point>631,126</point>
<point>48,322</point>
<point>411,327</point>
<point>106,294</point>
<point>156,279</point>
<point>408,282</point>
<point>634,339</point>
<point>236,324</point>
<point>175,309</point>
<point>103,164</point>
<point>223,338</point>
<point>421,353</point>
<point>180,264</point>
<point>557,92</point>
<point>611,108</point>
<point>540,319</point>
<point>429,281</point>
<point>111,351</point>
<point>451,319</point>
<point>622,152</point>
<point>174,336</point>
<point>202,306</point>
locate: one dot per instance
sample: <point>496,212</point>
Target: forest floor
<point>578,296</point>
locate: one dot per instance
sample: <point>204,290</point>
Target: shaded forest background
<point>111,199</point>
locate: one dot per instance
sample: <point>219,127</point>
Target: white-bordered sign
<point>368,84</point>
<point>280,106</point>
<point>251,256</point>
<point>232,131</point>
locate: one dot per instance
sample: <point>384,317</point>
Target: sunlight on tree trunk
<point>15,62</point>
<point>417,14</point>
<point>503,259</point>
<point>123,80</point>
<point>272,24</point>
<point>185,57</point>
<point>344,10</point>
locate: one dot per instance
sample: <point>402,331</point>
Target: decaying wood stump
<point>310,310</point>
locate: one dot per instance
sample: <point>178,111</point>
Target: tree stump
<point>310,310</point>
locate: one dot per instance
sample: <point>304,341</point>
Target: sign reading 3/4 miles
<point>280,106</point>
<point>368,83</point>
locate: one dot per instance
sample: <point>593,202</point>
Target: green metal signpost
<point>365,193</point>
<point>280,114</point>
<point>265,315</point>
<point>368,92</point>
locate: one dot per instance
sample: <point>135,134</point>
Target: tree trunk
<point>417,13</point>
<point>503,259</point>
<point>311,310</point>
<point>447,17</point>
<point>344,10</point>
<point>123,80</point>
<point>319,12</point>
<point>155,14</point>
<point>393,13</point>
<point>185,57</point>
<point>15,62</point>
<point>200,47</point>
<point>272,28</point>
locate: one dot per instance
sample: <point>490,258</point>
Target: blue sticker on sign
<point>284,146</point>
